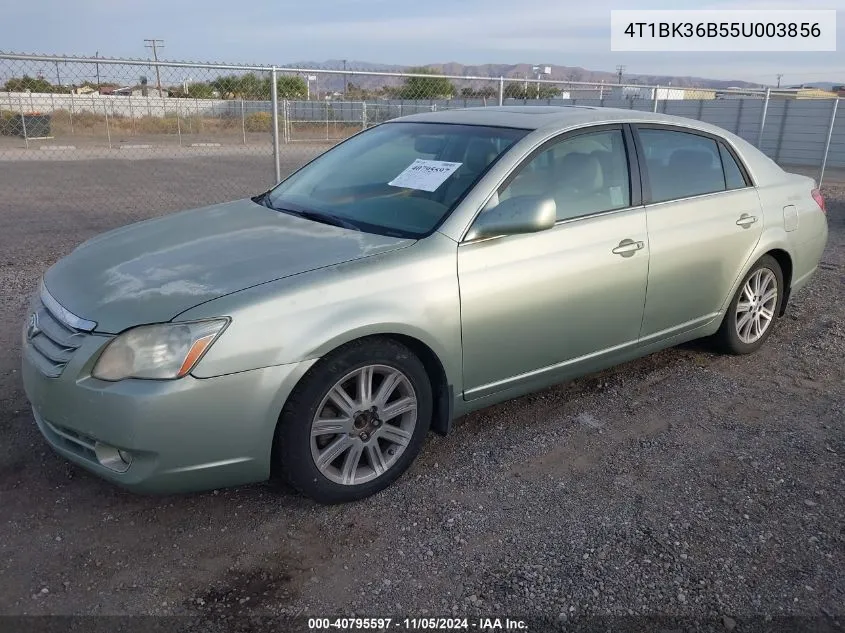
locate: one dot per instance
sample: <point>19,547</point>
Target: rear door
<point>704,220</point>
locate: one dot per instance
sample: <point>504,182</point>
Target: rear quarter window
<point>734,178</point>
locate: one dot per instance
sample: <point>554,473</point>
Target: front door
<point>533,303</point>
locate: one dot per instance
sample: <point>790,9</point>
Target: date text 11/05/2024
<point>417,624</point>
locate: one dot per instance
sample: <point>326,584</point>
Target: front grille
<point>51,341</point>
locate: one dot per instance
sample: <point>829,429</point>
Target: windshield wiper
<point>319,216</point>
<point>308,214</point>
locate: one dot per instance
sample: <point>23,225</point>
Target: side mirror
<point>521,214</point>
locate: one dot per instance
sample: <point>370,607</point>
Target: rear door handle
<point>627,248</point>
<point>746,220</point>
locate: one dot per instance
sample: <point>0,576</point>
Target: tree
<point>251,86</point>
<point>356,92</point>
<point>289,87</point>
<point>33,84</point>
<point>547,91</point>
<point>514,90</point>
<point>199,90</point>
<point>434,86</point>
<point>517,90</point>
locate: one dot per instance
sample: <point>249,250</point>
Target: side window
<point>680,164</point>
<point>584,174</point>
<point>733,174</point>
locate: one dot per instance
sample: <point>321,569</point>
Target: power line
<point>619,70</point>
<point>155,45</point>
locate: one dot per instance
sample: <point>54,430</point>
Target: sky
<point>561,32</point>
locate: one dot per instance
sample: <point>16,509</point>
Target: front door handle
<point>746,220</point>
<point>627,248</point>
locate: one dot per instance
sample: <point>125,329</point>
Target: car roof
<point>553,117</point>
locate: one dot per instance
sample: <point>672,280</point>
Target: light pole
<point>308,80</point>
<point>538,71</point>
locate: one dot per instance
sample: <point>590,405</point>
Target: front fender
<point>411,292</point>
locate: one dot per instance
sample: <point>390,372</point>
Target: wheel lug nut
<point>364,436</point>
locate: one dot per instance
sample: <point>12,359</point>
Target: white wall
<point>115,105</point>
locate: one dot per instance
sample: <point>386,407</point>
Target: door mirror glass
<point>520,214</point>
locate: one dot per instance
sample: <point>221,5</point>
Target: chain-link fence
<point>179,134</point>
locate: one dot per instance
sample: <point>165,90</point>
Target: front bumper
<point>182,435</point>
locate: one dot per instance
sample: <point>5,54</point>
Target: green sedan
<point>430,266</point>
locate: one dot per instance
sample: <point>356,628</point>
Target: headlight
<point>157,351</point>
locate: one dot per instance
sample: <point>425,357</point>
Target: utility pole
<point>58,76</point>
<point>155,45</point>
<point>619,70</point>
<point>97,64</point>
<point>345,80</point>
<point>779,75</point>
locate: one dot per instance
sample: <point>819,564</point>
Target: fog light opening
<point>112,458</point>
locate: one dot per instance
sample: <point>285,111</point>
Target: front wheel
<point>355,422</point>
<point>752,312</point>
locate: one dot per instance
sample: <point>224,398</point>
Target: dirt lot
<point>683,484</point>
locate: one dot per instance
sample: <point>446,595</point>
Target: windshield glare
<point>397,178</point>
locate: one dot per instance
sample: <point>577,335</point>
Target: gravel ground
<point>685,484</point>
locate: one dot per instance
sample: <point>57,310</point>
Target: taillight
<point>819,198</point>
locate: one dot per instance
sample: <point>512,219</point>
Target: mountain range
<point>520,71</point>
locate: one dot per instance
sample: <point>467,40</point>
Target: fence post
<point>501,90</point>
<point>274,100</point>
<point>827,142</point>
<point>178,124</point>
<point>23,122</point>
<point>71,113</point>
<point>763,118</point>
<point>243,120</point>
<point>108,131</point>
<point>363,115</point>
<point>656,93</point>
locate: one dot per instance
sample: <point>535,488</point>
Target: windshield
<point>396,179</point>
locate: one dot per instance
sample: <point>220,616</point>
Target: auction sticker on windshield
<point>425,175</point>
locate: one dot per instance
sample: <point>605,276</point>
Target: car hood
<point>151,271</point>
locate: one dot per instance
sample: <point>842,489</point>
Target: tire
<point>359,453</point>
<point>739,334</point>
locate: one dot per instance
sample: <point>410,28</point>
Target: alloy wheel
<point>755,309</point>
<point>363,424</point>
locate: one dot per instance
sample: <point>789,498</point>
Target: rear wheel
<point>355,422</point>
<point>752,312</point>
